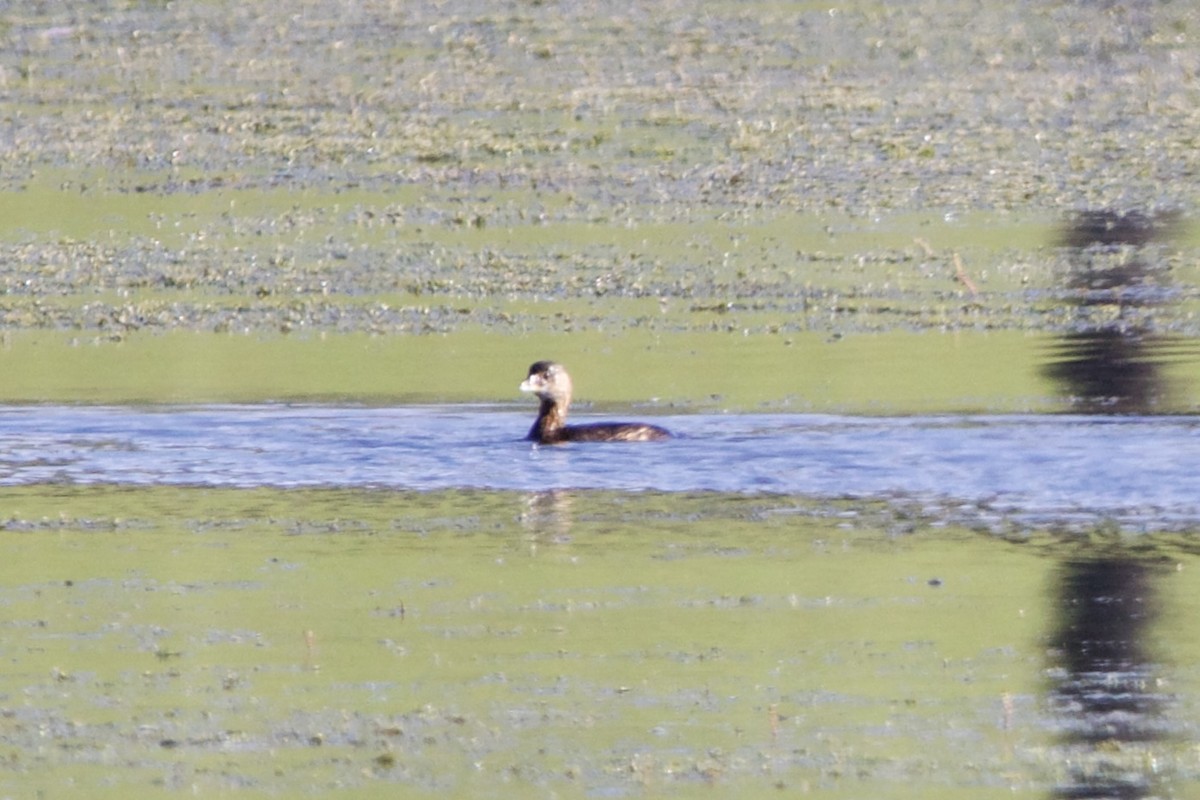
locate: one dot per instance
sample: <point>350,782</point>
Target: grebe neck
<point>552,418</point>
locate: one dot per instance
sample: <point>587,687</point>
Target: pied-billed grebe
<point>550,382</point>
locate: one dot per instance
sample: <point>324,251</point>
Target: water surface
<point>1032,469</point>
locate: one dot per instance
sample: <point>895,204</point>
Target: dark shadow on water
<point>1103,689</point>
<point>1116,282</point>
<point>1108,228</point>
<point>1103,692</point>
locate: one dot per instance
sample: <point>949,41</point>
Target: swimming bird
<point>551,383</point>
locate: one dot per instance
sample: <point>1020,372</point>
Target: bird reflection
<point>1110,360</point>
<point>547,515</point>
<point>1104,691</point>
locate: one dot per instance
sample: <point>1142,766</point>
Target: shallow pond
<point>263,600</point>
<point>371,218</point>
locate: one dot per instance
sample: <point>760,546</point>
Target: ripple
<point>1043,470</point>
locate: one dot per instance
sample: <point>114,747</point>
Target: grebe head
<point>549,381</point>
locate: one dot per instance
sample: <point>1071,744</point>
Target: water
<point>1035,470</point>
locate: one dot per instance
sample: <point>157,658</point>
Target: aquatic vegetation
<point>707,207</point>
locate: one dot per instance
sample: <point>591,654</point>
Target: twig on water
<point>960,273</point>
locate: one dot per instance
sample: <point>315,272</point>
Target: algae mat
<point>254,643</point>
<point>786,175</point>
<point>885,373</point>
